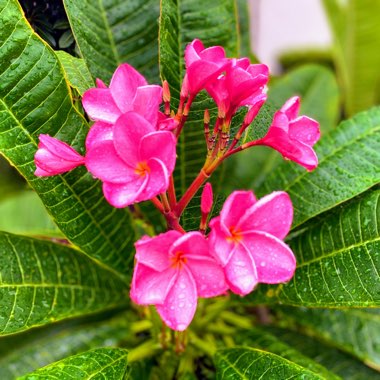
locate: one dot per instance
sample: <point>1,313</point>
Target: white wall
<point>280,25</point>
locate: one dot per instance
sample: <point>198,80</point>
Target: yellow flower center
<point>236,235</point>
<point>142,169</point>
<point>178,260</point>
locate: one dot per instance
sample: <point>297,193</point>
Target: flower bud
<point>207,198</point>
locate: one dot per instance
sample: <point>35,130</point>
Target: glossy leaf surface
<point>101,363</point>
<point>111,32</point>
<point>42,282</point>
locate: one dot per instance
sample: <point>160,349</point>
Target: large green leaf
<point>349,159</point>
<point>249,364</point>
<point>101,363</point>
<point>261,339</point>
<point>25,214</point>
<point>57,342</point>
<point>34,99</point>
<point>76,71</point>
<point>43,282</point>
<point>338,259</point>
<point>111,32</point>
<point>356,31</point>
<point>356,331</point>
<point>336,361</point>
<point>214,23</point>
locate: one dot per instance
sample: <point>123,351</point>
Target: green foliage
<point>249,363</point>
<point>354,331</point>
<point>43,282</point>
<point>356,30</point>
<point>102,363</point>
<point>34,99</point>
<point>76,71</point>
<point>111,32</point>
<point>24,213</point>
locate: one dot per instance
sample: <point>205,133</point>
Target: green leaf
<point>50,345</point>
<point>249,363</point>
<point>77,71</point>
<point>356,32</point>
<point>338,259</point>
<point>34,99</point>
<point>244,30</point>
<point>214,23</point>
<point>66,39</point>
<point>43,282</point>
<point>318,89</point>
<point>101,363</point>
<point>25,214</point>
<point>356,331</point>
<point>111,32</point>
<point>336,361</point>
<point>263,340</point>
<point>349,159</point>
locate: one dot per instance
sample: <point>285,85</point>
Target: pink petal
<point>201,73</point>
<point>241,271</point>
<point>191,244</point>
<point>219,245</point>
<point>100,105</point>
<point>241,62</point>
<point>218,91</point>
<point>150,287</point>
<point>100,83</point>
<point>103,162</point>
<point>42,173</point>
<point>99,132</point>
<point>180,304</point>
<point>147,102</point>
<point>214,54</point>
<point>305,130</point>
<point>258,69</point>
<point>275,262</point>
<point>207,198</point>
<point>235,207</point>
<point>208,276</point>
<point>291,107</point>
<point>254,109</point>
<point>166,123</point>
<point>154,252</point>
<point>160,145</point>
<point>124,84</point>
<point>192,52</point>
<point>158,180</point>
<point>128,131</point>
<point>123,195</point>
<point>59,148</point>
<point>272,214</point>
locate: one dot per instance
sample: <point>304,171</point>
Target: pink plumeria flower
<point>202,65</point>
<point>55,157</point>
<point>171,272</point>
<point>128,91</point>
<point>293,136</point>
<point>247,241</point>
<point>243,85</point>
<point>133,160</point>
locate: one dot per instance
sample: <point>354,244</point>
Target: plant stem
<point>158,204</point>
<point>190,192</point>
<point>165,202</point>
<point>172,193</point>
<point>145,350</point>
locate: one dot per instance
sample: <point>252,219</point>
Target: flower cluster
<point>131,149</point>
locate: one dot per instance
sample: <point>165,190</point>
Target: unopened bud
<point>185,88</point>
<point>206,117</point>
<point>166,91</point>
<point>206,198</point>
